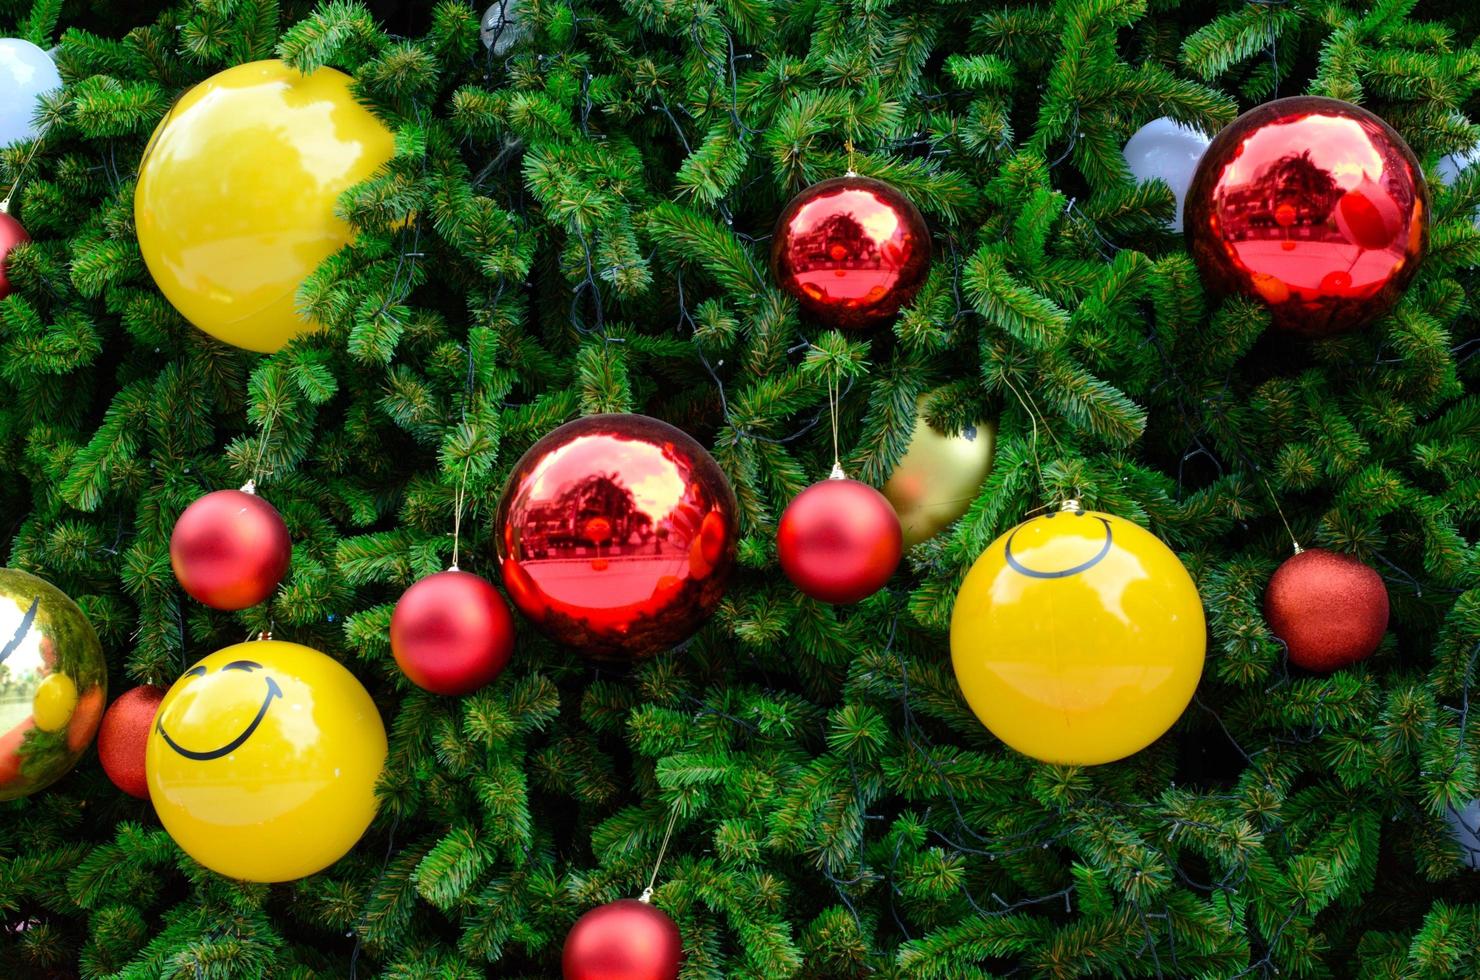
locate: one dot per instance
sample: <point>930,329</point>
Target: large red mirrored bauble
<point>1314,206</point>
<point>616,535</point>
<point>852,250</point>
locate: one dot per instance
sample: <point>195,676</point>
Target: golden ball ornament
<point>235,203</point>
<point>1078,638</point>
<point>53,683</point>
<point>939,476</point>
<point>262,761</point>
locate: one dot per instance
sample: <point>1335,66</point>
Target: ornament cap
<point>837,472</point>
<point>1071,506</point>
<point>249,487</point>
<point>646,897</point>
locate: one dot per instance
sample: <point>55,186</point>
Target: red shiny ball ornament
<point>623,940</point>
<point>839,541</point>
<point>1314,206</point>
<point>11,235</point>
<point>123,735</point>
<point>451,633</point>
<point>230,549</point>
<point>1329,609</point>
<point>616,535</point>
<point>852,250</point>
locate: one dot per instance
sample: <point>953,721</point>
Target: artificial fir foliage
<point>577,225</point>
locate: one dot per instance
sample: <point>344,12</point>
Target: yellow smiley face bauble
<point>262,761</point>
<point>53,684</point>
<point>1078,638</point>
<point>938,477</point>
<point>236,195</point>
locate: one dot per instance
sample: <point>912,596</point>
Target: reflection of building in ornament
<point>839,242</point>
<point>1292,198</point>
<point>594,511</point>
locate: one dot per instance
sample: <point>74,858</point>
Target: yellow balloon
<point>262,761</point>
<point>938,477</point>
<point>56,697</point>
<point>236,195</point>
<point>1078,637</point>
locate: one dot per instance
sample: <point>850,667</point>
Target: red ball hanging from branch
<point>1313,206</point>
<point>123,735</point>
<point>839,540</point>
<point>451,633</point>
<point>11,235</point>
<point>230,549</point>
<point>623,940</point>
<point>1329,609</point>
<point>852,250</point>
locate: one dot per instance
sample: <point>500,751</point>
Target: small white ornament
<point>1451,166</point>
<point>1465,825</point>
<point>26,74</point>
<point>503,26</point>
<point>1168,151</point>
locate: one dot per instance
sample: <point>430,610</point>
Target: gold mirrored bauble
<point>53,684</point>
<point>939,476</point>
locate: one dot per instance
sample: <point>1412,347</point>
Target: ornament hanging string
<point>1033,438</point>
<point>459,498</point>
<point>647,893</point>
<point>21,172</point>
<point>833,386</point>
<point>1275,500</point>
<point>251,485</point>
<point>852,157</point>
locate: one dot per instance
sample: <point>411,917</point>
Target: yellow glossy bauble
<point>1078,637</point>
<point>938,477</point>
<point>236,194</point>
<point>262,761</point>
<point>53,684</point>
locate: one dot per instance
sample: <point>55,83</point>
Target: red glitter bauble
<point>839,541</point>
<point>451,633</point>
<point>1330,610</point>
<point>1314,206</point>
<point>230,549</point>
<point>623,940</point>
<point>122,737</point>
<point>616,535</point>
<point>852,250</point>
<point>11,235</point>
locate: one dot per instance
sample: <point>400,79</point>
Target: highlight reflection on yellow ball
<point>1078,637</point>
<point>236,195</point>
<point>263,759</point>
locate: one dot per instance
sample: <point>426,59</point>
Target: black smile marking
<point>21,630</point>
<point>1065,573</point>
<point>273,691</point>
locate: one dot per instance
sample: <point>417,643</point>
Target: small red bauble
<point>623,940</point>
<point>839,541</point>
<point>851,250</point>
<point>451,633</point>
<point>11,235</point>
<point>1314,206</point>
<point>616,535</point>
<point>123,735</point>
<point>1330,610</point>
<point>230,549</point>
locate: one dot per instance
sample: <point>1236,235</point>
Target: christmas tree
<point>575,220</point>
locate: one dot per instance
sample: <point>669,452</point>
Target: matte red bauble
<point>1315,207</point>
<point>230,549</point>
<point>451,633</point>
<point>851,250</point>
<point>616,535</point>
<point>11,235</point>
<point>1330,610</point>
<point>122,737</point>
<point>623,940</point>
<point>839,541</point>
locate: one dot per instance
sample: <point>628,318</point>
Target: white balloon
<point>1168,151</point>
<point>1465,825</point>
<point>26,74</point>
<point>1451,166</point>
<point>503,26</point>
